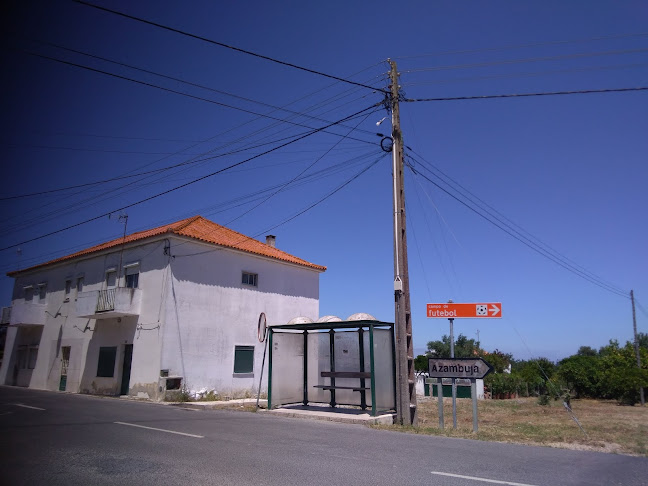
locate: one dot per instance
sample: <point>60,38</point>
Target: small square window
<point>106,365</point>
<point>111,279</point>
<point>243,359</point>
<point>132,280</point>
<point>42,292</point>
<point>250,279</point>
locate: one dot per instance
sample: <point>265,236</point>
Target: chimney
<point>271,240</point>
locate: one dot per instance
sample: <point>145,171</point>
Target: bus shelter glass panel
<point>347,358</point>
<point>287,368</point>
<point>383,368</point>
<point>319,359</point>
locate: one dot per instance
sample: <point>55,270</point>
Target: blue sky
<point>570,170</point>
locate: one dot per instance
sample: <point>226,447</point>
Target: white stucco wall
<point>209,312</point>
<point>194,310</point>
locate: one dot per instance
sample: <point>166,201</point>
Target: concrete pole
<point>405,387</point>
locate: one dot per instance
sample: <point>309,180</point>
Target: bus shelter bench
<point>344,374</point>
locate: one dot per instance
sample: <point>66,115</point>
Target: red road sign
<point>454,310</point>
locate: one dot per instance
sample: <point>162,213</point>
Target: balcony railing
<point>106,300</point>
<point>106,304</point>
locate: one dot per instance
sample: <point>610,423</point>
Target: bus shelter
<point>339,363</point>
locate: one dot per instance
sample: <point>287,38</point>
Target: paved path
<point>52,438</point>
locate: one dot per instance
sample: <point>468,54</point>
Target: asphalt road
<point>55,438</point>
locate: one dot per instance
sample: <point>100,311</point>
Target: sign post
<point>451,311</point>
<point>471,368</point>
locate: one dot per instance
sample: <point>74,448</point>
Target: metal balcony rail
<point>106,300</point>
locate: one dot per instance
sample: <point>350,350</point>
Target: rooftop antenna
<point>122,218</point>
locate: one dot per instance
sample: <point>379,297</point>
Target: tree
<point>534,374</point>
<point>581,374</point>
<point>642,338</point>
<point>620,376</point>
<point>586,351</point>
<point>421,363</point>
<point>499,360</point>
<point>464,347</point>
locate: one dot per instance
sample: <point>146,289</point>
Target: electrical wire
<point>523,75</point>
<point>294,216</point>
<point>286,184</point>
<point>523,95</point>
<point>188,183</point>
<point>184,81</point>
<point>439,174</point>
<point>523,46</point>
<point>169,90</point>
<point>238,201</point>
<point>221,44</point>
<point>526,60</point>
<point>523,239</point>
<point>94,199</point>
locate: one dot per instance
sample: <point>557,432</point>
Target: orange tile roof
<point>198,228</point>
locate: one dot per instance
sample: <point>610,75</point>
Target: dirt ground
<point>607,426</point>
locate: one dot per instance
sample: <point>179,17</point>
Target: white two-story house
<point>175,306</point>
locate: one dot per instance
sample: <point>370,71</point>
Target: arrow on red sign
<point>494,310</point>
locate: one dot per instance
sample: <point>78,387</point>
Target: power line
<point>526,60</point>
<point>523,239</point>
<point>24,224</point>
<point>523,75</point>
<point>236,202</point>
<point>155,171</point>
<point>303,211</point>
<point>515,227</point>
<point>180,80</point>
<point>227,46</point>
<point>117,137</point>
<point>151,85</point>
<point>191,182</point>
<point>522,46</point>
<point>523,95</point>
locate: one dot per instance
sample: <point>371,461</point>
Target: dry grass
<point>609,427</point>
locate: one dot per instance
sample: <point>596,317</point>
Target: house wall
<point>194,310</point>
<point>85,336</point>
<point>209,311</point>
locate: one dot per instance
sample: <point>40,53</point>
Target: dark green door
<point>126,370</point>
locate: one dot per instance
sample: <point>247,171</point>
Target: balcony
<point>108,304</point>
<point>27,314</point>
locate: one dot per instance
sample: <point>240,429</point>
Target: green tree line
<point>610,372</point>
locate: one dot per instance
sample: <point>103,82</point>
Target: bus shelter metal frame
<point>332,327</point>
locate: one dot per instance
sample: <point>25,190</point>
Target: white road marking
<point>27,406</point>
<point>484,480</point>
<point>161,430</point>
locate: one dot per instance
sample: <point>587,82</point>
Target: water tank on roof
<point>361,316</point>
<point>300,320</point>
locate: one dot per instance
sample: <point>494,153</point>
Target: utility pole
<point>636,346</point>
<point>406,384</point>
